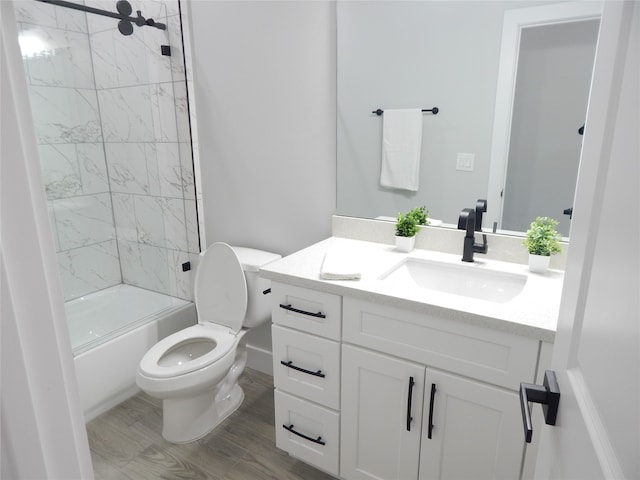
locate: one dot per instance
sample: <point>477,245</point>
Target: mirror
<point>468,59</point>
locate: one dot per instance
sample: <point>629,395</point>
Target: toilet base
<point>188,419</point>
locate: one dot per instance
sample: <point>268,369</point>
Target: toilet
<point>195,371</point>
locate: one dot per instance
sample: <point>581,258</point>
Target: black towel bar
<point>433,110</point>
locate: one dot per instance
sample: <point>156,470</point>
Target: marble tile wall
<point>112,126</point>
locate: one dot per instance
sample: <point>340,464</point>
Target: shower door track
<point>125,25</point>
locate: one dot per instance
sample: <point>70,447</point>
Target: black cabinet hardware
<point>409,417</point>
<point>266,292</point>
<point>547,394</point>
<point>290,364</point>
<point>318,440</point>
<point>431,403</point>
<point>304,312</point>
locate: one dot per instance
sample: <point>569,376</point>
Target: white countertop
<point>532,313</point>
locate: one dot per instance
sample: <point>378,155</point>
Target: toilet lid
<point>220,289</point>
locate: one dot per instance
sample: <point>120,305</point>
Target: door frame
<point>513,24</point>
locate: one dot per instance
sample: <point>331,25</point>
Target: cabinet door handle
<point>303,312</point>
<point>409,417</point>
<point>318,440</point>
<point>290,364</point>
<point>431,403</point>
<point>548,394</point>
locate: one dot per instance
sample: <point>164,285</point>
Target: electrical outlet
<point>464,162</point>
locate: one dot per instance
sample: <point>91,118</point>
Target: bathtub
<point>110,331</point>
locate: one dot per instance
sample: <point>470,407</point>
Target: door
<point>381,416</point>
<point>476,431</point>
<point>596,350</point>
<point>555,64</point>
<point>563,112</point>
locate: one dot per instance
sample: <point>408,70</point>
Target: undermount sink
<point>464,280</point>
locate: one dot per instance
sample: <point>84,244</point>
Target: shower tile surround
<point>111,121</point>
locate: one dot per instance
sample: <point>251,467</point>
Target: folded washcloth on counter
<point>340,265</point>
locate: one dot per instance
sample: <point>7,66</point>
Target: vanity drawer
<point>306,366</point>
<point>488,355</point>
<point>307,431</point>
<point>313,312</point>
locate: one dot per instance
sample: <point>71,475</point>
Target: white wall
<point>264,76</point>
<point>264,80</point>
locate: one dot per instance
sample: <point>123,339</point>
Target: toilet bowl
<point>195,371</point>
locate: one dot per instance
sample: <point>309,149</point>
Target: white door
<point>381,416</point>
<point>596,353</point>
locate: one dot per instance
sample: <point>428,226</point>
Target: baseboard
<point>259,359</point>
<point>111,402</point>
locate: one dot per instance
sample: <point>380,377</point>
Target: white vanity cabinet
<point>387,409</point>
<point>366,390</point>
<point>306,334</point>
<point>441,395</point>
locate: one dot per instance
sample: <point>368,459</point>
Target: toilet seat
<point>220,288</point>
<point>224,338</point>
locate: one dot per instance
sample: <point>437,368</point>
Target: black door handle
<point>433,397</point>
<point>547,394</point>
<point>409,417</point>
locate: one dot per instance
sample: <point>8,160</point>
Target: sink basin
<point>467,281</point>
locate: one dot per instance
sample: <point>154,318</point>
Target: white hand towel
<point>339,265</point>
<point>401,143</point>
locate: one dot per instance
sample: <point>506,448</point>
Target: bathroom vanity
<point>412,371</point>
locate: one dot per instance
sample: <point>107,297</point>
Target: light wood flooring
<point>126,443</point>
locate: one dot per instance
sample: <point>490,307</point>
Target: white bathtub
<point>110,332</point>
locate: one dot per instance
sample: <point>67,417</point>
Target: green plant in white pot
<point>420,214</point>
<point>407,227</point>
<point>542,241</point>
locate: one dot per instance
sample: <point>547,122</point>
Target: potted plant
<point>407,227</point>
<point>420,214</point>
<point>542,241</point>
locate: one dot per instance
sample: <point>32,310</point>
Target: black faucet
<point>467,222</point>
<point>481,207</point>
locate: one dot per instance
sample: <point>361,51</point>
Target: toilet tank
<point>258,304</point>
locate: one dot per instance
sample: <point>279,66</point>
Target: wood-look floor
<point>126,443</point>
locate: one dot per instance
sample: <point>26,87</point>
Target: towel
<point>401,142</point>
<point>339,265</point>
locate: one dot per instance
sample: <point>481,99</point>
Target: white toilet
<point>195,371</point>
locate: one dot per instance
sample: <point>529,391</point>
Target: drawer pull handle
<point>304,312</point>
<point>290,364</point>
<point>318,440</point>
<point>431,403</point>
<point>409,417</point>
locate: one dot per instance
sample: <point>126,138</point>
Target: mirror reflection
<point>515,142</point>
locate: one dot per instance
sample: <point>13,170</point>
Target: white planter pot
<point>405,244</point>
<point>539,263</point>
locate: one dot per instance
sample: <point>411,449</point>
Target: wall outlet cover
<point>465,161</point>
